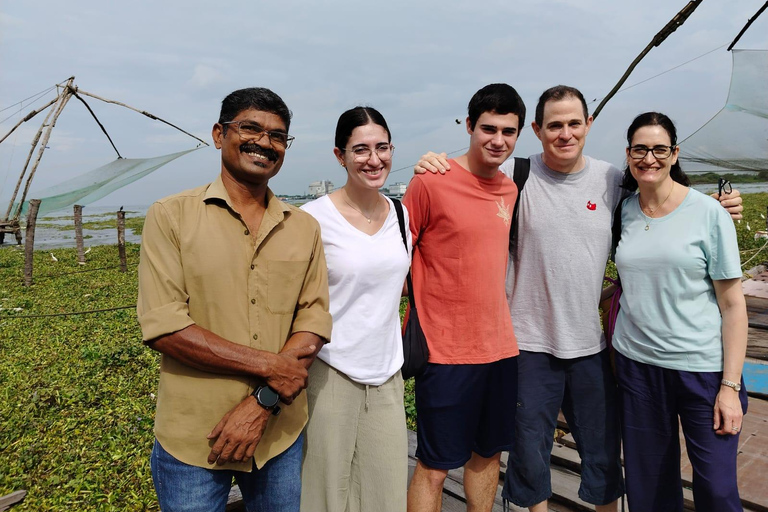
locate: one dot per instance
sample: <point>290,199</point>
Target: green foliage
<point>76,392</point>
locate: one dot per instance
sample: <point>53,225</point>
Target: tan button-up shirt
<point>200,265</point>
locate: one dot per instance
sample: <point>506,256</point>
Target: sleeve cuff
<point>319,323</point>
<point>164,320</point>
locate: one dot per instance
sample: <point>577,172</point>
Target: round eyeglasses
<point>364,153</point>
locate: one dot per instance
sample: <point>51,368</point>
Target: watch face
<point>267,397</point>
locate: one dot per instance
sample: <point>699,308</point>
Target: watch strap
<point>733,385</point>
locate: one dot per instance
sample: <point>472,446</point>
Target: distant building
<point>397,190</point>
<point>320,188</point>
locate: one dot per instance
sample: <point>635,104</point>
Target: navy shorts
<point>465,408</point>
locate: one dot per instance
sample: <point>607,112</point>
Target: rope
<point>755,255</point>
<point>48,315</point>
<point>411,166</point>
<point>41,93</point>
<point>663,72</point>
<point>51,276</point>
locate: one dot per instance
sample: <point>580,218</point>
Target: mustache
<point>271,154</point>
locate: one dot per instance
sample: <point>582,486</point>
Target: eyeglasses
<point>659,152</point>
<point>723,187</point>
<point>364,153</point>
<point>250,131</point>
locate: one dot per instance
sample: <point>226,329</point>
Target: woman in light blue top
<point>681,333</point>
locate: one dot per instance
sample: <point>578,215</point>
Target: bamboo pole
<point>65,96</point>
<point>659,38</point>
<point>143,112</point>
<point>29,158</point>
<point>749,22</point>
<point>79,234</point>
<point>29,116</point>
<point>121,240</point>
<point>29,242</point>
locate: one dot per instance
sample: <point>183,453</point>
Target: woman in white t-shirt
<point>681,333</point>
<point>356,447</point>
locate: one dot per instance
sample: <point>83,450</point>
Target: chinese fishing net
<point>736,139</point>
<point>95,184</point>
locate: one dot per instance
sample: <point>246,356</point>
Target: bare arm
<point>433,163</point>
<point>732,203</point>
<point>199,348</point>
<point>733,308</point>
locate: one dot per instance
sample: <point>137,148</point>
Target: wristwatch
<point>267,398</point>
<point>733,385</point>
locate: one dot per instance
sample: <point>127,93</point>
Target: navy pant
<point>585,389</point>
<point>651,400</point>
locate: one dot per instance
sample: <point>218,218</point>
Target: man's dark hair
<point>258,98</point>
<point>497,98</point>
<point>557,93</point>
<point>629,182</point>
<point>354,117</point>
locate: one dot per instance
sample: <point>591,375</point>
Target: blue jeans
<point>183,488</point>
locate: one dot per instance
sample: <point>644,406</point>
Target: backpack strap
<point>401,221</point>
<point>519,175</point>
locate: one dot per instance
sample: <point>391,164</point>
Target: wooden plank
<point>11,499</point>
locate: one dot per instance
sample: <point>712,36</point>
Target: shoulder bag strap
<point>401,221</point>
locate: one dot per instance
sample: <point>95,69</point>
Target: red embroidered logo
<point>591,206</point>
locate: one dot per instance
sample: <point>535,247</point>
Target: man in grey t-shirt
<point>553,289</point>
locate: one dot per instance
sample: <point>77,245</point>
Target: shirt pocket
<point>284,282</point>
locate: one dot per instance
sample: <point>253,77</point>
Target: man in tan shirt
<point>233,291</point>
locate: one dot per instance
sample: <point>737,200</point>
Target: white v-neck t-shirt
<point>365,280</point>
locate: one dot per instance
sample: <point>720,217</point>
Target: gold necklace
<point>367,217</point>
<point>653,210</point>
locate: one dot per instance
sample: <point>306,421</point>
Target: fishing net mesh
<point>95,184</point>
<point>736,139</point>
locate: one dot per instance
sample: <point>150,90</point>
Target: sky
<point>416,62</point>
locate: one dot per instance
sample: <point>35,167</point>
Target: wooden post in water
<point>29,240</point>
<point>121,239</point>
<point>79,234</point>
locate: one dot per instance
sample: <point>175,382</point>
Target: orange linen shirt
<point>461,222</point>
<point>200,265</point>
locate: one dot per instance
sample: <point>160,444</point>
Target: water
<point>47,238</point>
<point>744,188</point>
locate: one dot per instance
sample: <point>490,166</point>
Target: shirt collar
<point>217,192</point>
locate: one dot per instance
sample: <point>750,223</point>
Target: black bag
<point>415,349</point>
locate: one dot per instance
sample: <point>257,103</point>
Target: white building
<point>320,188</point>
<point>397,189</point>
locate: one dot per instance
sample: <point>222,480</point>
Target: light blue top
<point>669,315</point>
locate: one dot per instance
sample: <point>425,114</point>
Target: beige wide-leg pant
<point>356,445</point>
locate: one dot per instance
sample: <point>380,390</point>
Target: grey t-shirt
<point>555,279</point>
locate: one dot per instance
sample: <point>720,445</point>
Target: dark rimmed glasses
<point>249,130</point>
<point>723,187</point>
<point>659,152</point>
<point>364,153</point>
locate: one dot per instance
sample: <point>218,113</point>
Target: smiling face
<point>651,170</point>
<point>250,161</point>
<point>563,133</point>
<point>370,172</point>
<point>492,141</point>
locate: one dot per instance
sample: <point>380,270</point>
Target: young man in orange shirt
<point>465,398</point>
